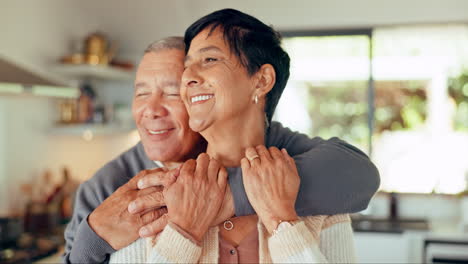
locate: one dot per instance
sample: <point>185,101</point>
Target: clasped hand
<point>193,200</point>
<point>196,195</point>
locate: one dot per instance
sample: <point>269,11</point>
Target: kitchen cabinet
<point>94,72</point>
<point>378,247</point>
<point>99,76</point>
<point>86,130</point>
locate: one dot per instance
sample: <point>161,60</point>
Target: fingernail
<point>132,207</point>
<point>144,232</point>
<point>285,151</point>
<point>140,184</point>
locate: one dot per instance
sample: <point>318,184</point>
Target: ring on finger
<point>253,157</point>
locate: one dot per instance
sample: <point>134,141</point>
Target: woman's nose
<point>191,77</point>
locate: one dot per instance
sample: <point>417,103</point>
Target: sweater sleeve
<point>336,177</point>
<point>173,247</point>
<point>83,245</point>
<point>298,245</point>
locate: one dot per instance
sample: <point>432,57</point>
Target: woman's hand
<point>194,200</point>
<point>271,182</point>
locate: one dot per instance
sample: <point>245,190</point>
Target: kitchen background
<point>407,107</point>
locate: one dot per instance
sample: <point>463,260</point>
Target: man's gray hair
<point>166,43</point>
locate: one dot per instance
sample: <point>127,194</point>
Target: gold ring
<point>254,157</point>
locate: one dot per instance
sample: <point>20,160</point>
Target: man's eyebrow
<point>202,50</point>
<point>170,84</point>
<point>139,85</point>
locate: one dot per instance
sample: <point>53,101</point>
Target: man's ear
<point>266,79</point>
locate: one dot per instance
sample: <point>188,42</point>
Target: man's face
<point>159,113</point>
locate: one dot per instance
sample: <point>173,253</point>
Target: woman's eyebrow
<point>203,50</point>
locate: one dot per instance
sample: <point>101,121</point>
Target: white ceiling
<point>34,34</point>
<point>135,24</point>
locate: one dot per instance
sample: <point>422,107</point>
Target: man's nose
<point>191,77</point>
<point>155,107</point>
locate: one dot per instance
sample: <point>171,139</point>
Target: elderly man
<point>101,222</point>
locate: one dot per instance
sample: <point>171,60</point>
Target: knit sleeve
<point>173,247</point>
<point>300,244</point>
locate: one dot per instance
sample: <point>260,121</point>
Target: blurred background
<point>390,77</point>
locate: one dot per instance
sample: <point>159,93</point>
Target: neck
<point>198,148</point>
<point>171,165</point>
<point>227,141</point>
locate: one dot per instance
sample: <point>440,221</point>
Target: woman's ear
<point>266,79</point>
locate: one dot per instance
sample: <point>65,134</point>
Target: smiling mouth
<point>201,98</point>
<point>158,132</point>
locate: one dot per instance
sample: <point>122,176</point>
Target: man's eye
<point>141,94</point>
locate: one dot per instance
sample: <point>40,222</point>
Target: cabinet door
<point>381,248</point>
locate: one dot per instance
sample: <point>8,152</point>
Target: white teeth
<point>201,98</point>
<point>152,132</point>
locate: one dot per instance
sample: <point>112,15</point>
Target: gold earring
<point>256,99</point>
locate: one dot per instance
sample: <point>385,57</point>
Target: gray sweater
<point>336,178</point>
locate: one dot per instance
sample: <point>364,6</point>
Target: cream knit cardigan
<point>314,239</point>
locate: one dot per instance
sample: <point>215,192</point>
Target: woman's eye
<point>210,59</point>
<point>175,95</point>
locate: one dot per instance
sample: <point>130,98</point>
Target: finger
<point>146,202</point>
<point>158,178</point>
<point>252,155</point>
<point>203,162</point>
<point>172,177</point>
<point>133,183</point>
<point>276,154</point>
<point>213,169</point>
<point>245,164</point>
<point>187,170</point>
<point>288,158</point>
<point>154,228</point>
<point>263,153</point>
<point>152,215</point>
<point>222,177</point>
<point>149,190</point>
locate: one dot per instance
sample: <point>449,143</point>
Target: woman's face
<point>216,88</point>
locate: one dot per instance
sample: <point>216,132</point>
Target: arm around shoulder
<point>336,177</point>
<point>83,245</point>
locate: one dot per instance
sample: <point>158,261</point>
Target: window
<point>406,105</point>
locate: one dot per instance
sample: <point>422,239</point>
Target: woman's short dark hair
<point>254,44</point>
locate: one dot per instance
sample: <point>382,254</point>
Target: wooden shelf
<point>100,72</point>
<point>91,129</point>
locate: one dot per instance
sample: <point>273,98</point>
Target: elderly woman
<point>235,72</point>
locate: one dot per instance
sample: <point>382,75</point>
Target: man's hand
<point>163,178</point>
<point>194,200</point>
<point>271,182</point>
<point>152,200</point>
<point>112,221</point>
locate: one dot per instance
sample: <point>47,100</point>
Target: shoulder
<point>116,173</point>
<point>279,136</point>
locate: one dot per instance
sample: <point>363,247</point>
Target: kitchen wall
<point>36,33</point>
<point>29,147</point>
<point>151,20</point>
